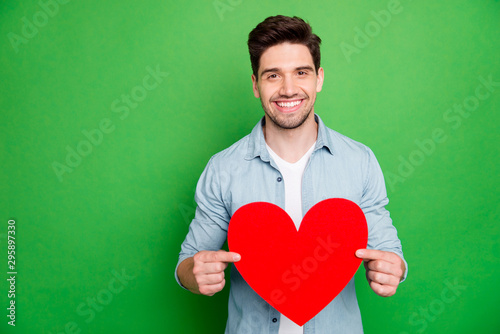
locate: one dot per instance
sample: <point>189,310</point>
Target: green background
<point>127,204</point>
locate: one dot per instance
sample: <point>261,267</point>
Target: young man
<point>293,160</point>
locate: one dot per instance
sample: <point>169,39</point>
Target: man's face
<point>287,84</point>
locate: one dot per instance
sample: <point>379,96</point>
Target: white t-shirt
<point>292,175</point>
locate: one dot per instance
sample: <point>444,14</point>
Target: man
<point>293,160</point>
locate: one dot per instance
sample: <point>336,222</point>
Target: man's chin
<point>290,121</point>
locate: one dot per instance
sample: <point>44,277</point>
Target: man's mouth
<point>288,106</point>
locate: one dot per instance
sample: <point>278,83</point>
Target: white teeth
<point>288,104</point>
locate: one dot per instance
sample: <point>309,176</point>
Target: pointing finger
<point>374,254</point>
<point>223,256</point>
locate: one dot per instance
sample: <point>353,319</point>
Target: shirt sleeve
<point>382,234</point>
<point>208,229</point>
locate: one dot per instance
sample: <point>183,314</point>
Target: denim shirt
<point>245,173</point>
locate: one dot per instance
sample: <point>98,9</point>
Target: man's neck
<point>291,144</point>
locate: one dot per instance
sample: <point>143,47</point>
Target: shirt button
<point>274,319</point>
<point>279,179</point>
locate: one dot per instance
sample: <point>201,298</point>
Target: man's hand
<point>384,270</point>
<point>204,272</point>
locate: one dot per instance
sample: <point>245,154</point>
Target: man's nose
<point>288,87</point>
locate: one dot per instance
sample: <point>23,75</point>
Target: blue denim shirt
<point>245,173</point>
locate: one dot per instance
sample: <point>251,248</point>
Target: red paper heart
<point>298,273</point>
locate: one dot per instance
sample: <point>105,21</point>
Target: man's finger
<point>382,290</point>
<point>223,256</point>
<point>211,289</point>
<point>381,278</point>
<point>205,268</point>
<point>383,266</point>
<point>210,279</point>
<point>374,254</point>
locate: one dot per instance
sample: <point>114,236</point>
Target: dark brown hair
<point>280,29</point>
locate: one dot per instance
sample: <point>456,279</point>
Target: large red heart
<point>298,272</point>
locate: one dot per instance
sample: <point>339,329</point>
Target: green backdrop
<point>109,111</point>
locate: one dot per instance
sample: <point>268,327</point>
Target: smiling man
<point>293,160</point>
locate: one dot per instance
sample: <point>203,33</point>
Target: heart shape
<point>298,272</point>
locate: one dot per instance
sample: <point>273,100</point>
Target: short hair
<point>279,29</point>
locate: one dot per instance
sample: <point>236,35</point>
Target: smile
<point>288,106</point>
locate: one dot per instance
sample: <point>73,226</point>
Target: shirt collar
<point>257,143</point>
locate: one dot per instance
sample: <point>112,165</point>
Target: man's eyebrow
<point>275,69</point>
<point>304,68</point>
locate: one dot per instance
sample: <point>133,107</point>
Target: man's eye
<point>302,73</point>
<point>272,76</point>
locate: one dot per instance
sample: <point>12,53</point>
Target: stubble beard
<point>287,123</point>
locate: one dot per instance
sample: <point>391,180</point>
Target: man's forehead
<point>286,56</point>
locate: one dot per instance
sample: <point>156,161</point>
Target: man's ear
<point>320,79</point>
<point>255,87</point>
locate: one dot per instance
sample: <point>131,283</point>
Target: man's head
<point>280,29</point>
<point>286,75</point>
